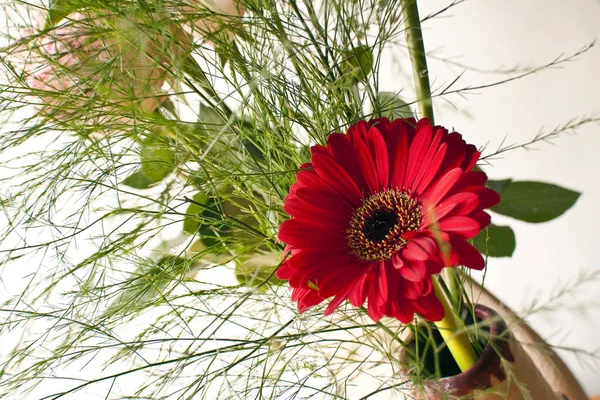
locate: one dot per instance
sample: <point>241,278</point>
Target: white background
<point>492,34</point>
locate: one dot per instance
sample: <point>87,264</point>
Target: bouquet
<point>232,200</point>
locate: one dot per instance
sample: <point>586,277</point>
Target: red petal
<point>487,197</point>
<point>459,204</point>
<point>466,202</point>
<point>414,252</point>
<point>378,291</point>
<point>329,200</point>
<point>376,304</point>
<point>316,268</point>
<point>345,155</point>
<point>428,158</point>
<point>427,287</point>
<point>468,255</point>
<point>398,305</point>
<point>455,154</point>
<point>317,148</point>
<point>358,291</point>
<point>305,211</point>
<point>309,178</point>
<point>427,244</point>
<point>381,123</point>
<point>414,271</point>
<point>416,154</point>
<point>429,307</point>
<point>383,281</point>
<point>324,210</point>
<point>337,177</point>
<point>398,150</point>
<point>463,226</point>
<point>402,310</point>
<point>423,122</point>
<point>397,261</point>
<point>357,131</point>
<point>284,271</point>
<point>410,235</point>
<point>367,165</point>
<point>381,157</point>
<point>437,235</point>
<point>413,290</point>
<point>472,178</point>
<point>482,218</point>
<point>306,299</point>
<point>434,267</point>
<point>434,215</point>
<point>341,281</point>
<point>437,191</point>
<point>471,157</point>
<point>431,170</point>
<point>300,234</point>
<point>337,300</point>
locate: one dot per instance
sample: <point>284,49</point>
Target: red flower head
<point>377,212</point>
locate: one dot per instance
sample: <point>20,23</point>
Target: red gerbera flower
<point>377,212</point>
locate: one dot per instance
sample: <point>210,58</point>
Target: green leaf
<point>58,10</point>
<point>209,116</point>
<point>253,150</point>
<point>256,270</point>
<point>249,133</point>
<point>498,186</point>
<point>157,158</point>
<point>209,124</point>
<point>209,255</point>
<point>223,223</point>
<point>195,72</point>
<point>212,120</point>
<point>496,241</point>
<point>535,201</point>
<point>144,286</point>
<point>392,106</point>
<point>138,180</point>
<point>191,222</point>
<point>168,105</point>
<point>173,266</point>
<point>206,220</point>
<point>222,54</point>
<point>210,237</point>
<point>359,62</point>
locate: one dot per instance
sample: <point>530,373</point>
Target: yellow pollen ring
<point>375,229</point>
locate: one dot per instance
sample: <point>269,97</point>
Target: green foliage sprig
<point>145,240</point>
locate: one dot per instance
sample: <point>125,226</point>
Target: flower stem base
<point>453,332</point>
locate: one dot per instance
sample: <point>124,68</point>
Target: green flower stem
<point>451,327</point>
<point>416,49</point>
<point>453,282</point>
<point>453,331</point>
<point>418,59</point>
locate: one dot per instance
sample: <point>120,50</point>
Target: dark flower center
<point>380,224</point>
<point>376,228</point>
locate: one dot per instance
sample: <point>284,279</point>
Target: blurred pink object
<point>96,68</point>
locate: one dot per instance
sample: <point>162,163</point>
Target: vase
<point>515,364</point>
<point>537,364</point>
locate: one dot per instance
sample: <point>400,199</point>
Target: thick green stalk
<point>416,49</point>
<point>453,331</point>
<point>451,327</point>
<point>418,59</point>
